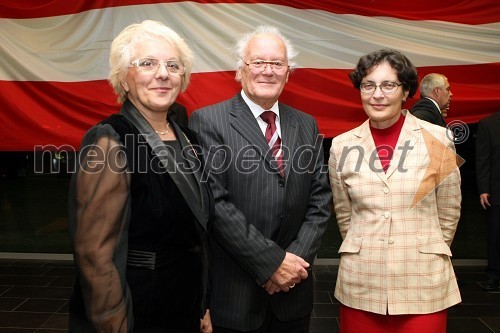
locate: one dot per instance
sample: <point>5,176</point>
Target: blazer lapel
<point>289,132</point>
<point>407,139</point>
<point>184,183</point>
<point>369,151</point>
<point>202,212</point>
<point>246,125</point>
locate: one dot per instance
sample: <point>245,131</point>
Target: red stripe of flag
<point>326,94</point>
<point>458,11</point>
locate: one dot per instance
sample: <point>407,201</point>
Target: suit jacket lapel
<point>406,141</point>
<point>369,151</point>
<point>190,155</point>
<point>245,123</point>
<point>289,132</point>
<point>183,181</point>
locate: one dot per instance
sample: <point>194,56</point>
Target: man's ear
<point>436,91</point>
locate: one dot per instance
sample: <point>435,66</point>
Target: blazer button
<point>281,183</point>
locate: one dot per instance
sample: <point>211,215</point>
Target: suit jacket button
<point>281,183</point>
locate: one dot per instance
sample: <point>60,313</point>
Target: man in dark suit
<point>488,183</point>
<point>272,206</point>
<point>435,95</point>
<point>178,113</point>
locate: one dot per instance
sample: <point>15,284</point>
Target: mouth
<point>378,106</point>
<point>161,89</point>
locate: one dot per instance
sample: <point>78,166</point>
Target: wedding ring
<point>293,285</point>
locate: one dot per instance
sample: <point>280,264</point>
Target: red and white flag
<point>54,56</point>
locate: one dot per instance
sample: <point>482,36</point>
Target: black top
<point>122,199</point>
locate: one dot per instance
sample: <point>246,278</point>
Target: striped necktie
<point>273,138</point>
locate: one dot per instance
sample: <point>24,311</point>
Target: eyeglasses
<point>151,65</point>
<point>259,66</point>
<point>387,87</point>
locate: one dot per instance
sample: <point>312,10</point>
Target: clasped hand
<point>292,271</point>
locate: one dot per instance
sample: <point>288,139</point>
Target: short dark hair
<point>407,73</point>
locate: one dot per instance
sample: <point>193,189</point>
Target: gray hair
<point>122,51</point>
<point>242,45</point>
<point>431,81</point>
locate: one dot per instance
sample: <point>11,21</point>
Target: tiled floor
<point>479,311</point>
<point>34,295</point>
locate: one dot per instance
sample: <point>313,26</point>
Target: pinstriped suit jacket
<point>395,254</point>
<point>258,213</point>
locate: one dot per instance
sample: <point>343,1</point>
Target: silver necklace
<point>163,133</point>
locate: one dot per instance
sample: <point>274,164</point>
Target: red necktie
<point>273,138</point>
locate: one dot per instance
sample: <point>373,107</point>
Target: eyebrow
<point>370,81</point>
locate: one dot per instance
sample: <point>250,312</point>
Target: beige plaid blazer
<point>397,227</point>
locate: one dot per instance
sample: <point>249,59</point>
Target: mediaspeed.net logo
<point>441,158</point>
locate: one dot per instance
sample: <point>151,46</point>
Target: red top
<point>385,141</point>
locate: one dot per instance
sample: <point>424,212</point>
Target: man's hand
<point>206,323</point>
<point>271,288</point>
<point>483,197</point>
<point>292,270</point>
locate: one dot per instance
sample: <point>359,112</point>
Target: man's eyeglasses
<point>387,87</point>
<point>259,66</point>
<point>151,65</point>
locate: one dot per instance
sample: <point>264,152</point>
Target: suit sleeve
<point>255,254</point>
<point>448,193</point>
<point>483,157</point>
<point>308,240</point>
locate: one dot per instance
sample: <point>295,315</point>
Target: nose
<point>267,69</point>
<point>378,92</point>
<point>162,71</point>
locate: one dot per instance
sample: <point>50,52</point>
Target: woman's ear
<point>405,95</point>
<point>124,85</point>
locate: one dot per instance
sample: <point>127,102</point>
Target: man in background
<point>444,112</point>
<point>435,95</point>
<point>488,183</point>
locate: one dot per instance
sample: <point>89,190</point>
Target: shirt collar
<point>433,101</point>
<point>257,109</point>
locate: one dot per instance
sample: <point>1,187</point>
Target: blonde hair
<point>122,51</point>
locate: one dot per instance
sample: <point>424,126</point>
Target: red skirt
<point>356,321</point>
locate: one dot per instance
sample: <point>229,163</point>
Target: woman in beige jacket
<point>396,194</point>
